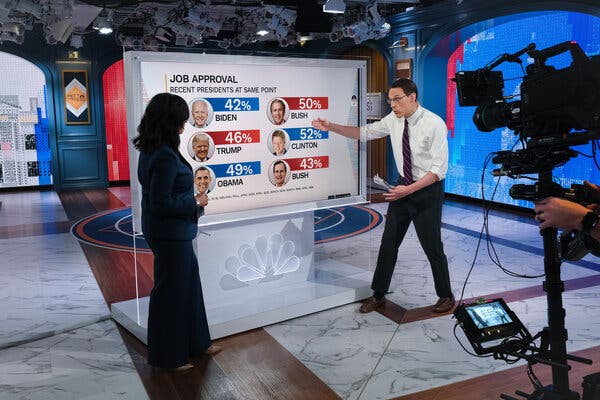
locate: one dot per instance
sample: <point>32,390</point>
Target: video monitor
<point>488,315</point>
<point>490,322</point>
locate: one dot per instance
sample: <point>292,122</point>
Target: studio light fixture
<point>12,32</point>
<point>104,22</point>
<point>105,30</point>
<point>261,28</point>
<point>334,6</point>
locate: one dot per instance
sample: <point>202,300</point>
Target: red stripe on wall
<point>115,120</point>
<point>455,58</point>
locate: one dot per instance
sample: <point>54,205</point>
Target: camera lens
<point>488,117</point>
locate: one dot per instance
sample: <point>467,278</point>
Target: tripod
<point>554,336</point>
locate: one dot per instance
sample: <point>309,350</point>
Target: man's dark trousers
<point>424,209</point>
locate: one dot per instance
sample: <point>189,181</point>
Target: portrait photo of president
<point>201,147</point>
<point>278,111</point>
<point>204,180</point>
<point>201,113</point>
<point>279,143</point>
<point>279,173</point>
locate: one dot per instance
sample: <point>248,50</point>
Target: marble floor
<point>398,359</point>
<point>57,342</point>
<point>56,337</point>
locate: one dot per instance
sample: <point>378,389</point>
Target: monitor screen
<point>488,315</point>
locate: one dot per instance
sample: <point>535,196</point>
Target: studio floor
<point>57,340</point>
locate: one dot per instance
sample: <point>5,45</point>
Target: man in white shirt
<point>417,199</point>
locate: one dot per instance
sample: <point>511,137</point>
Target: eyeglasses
<point>396,100</point>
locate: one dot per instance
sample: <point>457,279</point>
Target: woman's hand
<point>201,199</point>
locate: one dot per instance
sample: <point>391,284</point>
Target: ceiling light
<point>104,22</point>
<point>334,6</point>
<point>261,28</point>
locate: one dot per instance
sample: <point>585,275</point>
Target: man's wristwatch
<point>589,222</point>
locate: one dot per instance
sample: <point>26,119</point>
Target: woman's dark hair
<point>164,116</point>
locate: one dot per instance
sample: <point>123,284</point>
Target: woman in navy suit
<point>177,325</point>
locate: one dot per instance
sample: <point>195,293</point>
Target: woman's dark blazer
<point>169,209</point>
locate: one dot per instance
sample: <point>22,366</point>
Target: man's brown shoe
<point>444,304</point>
<point>371,304</point>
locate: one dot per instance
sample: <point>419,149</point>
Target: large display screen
<point>468,147</point>
<point>249,138</point>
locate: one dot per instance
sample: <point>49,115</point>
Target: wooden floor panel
<point>263,369</point>
<point>205,381</point>
<point>116,275</point>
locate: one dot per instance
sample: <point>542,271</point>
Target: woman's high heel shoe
<point>212,350</point>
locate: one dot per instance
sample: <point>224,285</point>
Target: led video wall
<point>469,147</point>
<point>25,157</point>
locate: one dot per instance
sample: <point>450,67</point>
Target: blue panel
<point>79,163</point>
<point>43,150</point>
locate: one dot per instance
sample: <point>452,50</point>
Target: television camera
<point>558,109</point>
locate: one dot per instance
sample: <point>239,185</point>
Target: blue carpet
<point>113,229</point>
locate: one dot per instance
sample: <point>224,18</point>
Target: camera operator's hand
<point>595,194</point>
<point>553,212</point>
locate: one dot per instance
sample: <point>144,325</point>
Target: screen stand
<point>259,272</point>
